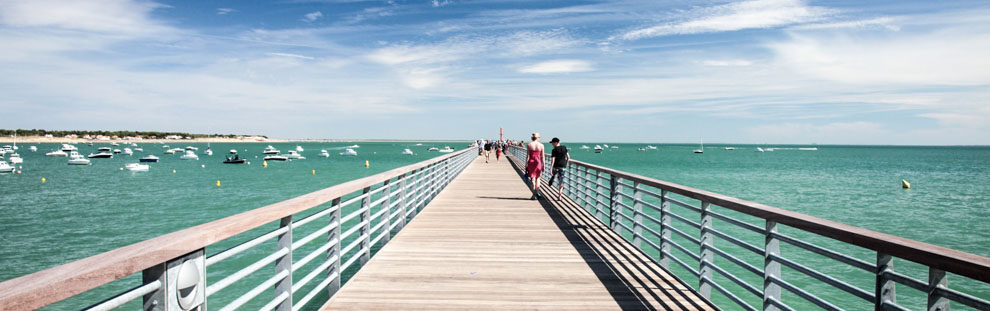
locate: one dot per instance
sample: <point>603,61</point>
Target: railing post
<point>637,216</point>
<point>664,229</point>
<point>771,268</point>
<point>613,204</point>
<point>599,187</point>
<point>335,249</point>
<point>154,301</point>
<point>388,211</point>
<point>936,279</point>
<point>284,263</point>
<point>402,201</point>
<point>885,290</point>
<point>417,180</point>
<point>365,236</point>
<point>707,256</point>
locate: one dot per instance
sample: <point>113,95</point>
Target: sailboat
<point>702,150</point>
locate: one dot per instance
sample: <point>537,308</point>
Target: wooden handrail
<point>48,286</point>
<point>965,264</point>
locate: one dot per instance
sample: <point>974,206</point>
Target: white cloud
<point>121,17</point>
<point>736,16</point>
<point>291,55</point>
<point>558,66</point>
<point>225,11</point>
<point>727,63</point>
<point>312,17</point>
<point>440,3</point>
<point>883,22</point>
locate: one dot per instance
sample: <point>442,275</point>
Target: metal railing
<point>642,210</point>
<point>173,268</point>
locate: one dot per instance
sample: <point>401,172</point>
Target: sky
<point>757,71</point>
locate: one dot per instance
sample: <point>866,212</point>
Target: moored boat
<point>149,158</point>
<point>189,155</point>
<point>349,152</point>
<point>324,153</point>
<point>77,159</point>
<point>294,155</point>
<point>407,152</point>
<point>5,168</point>
<point>56,153</point>
<point>234,160</point>
<point>276,157</point>
<point>136,167</point>
<point>101,155</point>
<point>270,150</point>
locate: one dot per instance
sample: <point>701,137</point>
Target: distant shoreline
<point>63,140</point>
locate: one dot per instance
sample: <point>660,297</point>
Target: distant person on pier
<point>488,150</point>
<point>480,147</point>
<point>558,164</point>
<point>534,164</point>
<point>498,150</point>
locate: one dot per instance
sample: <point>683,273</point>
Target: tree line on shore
<point>81,133</point>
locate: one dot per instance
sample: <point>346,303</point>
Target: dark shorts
<point>560,172</point>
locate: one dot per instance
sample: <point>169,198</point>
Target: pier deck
<point>482,244</point>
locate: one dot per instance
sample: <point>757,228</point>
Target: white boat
<point>5,168</point>
<point>354,146</point>
<point>139,149</point>
<point>104,149</point>
<point>585,147</point>
<point>606,145</point>
<point>433,149</point>
<point>294,155</point>
<point>57,153</point>
<point>598,148</point>
<point>208,152</point>
<point>758,149</point>
<point>149,158</point>
<point>173,150</point>
<point>299,148</point>
<point>233,151</point>
<point>117,151</point>
<point>16,159</point>
<point>407,151</point>
<point>324,153</point>
<point>270,150</point>
<point>192,148</point>
<point>730,148</point>
<point>702,150</point>
<point>349,152</point>
<point>276,158</point>
<point>447,149</point>
<point>808,149</point>
<point>101,155</point>
<point>136,167</point>
<point>651,147</point>
<point>614,147</point>
<point>189,155</point>
<point>128,151</point>
<point>133,144</point>
<point>77,159</point>
<point>420,144</point>
<point>114,144</point>
<point>33,148</point>
<point>69,148</point>
<point>641,149</point>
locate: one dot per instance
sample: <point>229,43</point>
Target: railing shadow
<point>614,261</point>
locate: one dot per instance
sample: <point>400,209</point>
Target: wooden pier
<point>482,244</point>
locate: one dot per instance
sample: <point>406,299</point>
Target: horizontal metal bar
<point>312,255</point>
<point>218,257</point>
<point>906,280</point>
<point>313,292</point>
<point>240,274</point>
<point>892,306</point>
<point>803,294</point>
<point>732,277</point>
<point>682,204</point>
<point>125,297</point>
<point>347,264</point>
<point>354,214</point>
<point>865,266</point>
<point>729,294</point>
<point>963,298</point>
<point>254,292</point>
<point>355,228</point>
<point>318,233</point>
<point>846,287</point>
<point>694,256</point>
<point>738,223</point>
<point>377,238</point>
<point>353,244</point>
<point>778,304</point>
<point>683,265</point>
<point>737,261</point>
<point>307,219</point>
<point>271,305</point>
<point>685,235</point>
<point>743,244</point>
<point>685,220</point>
<point>322,268</point>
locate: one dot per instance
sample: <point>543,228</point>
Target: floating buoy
<point>42,180</point>
<point>314,172</point>
<point>173,171</point>
<point>905,184</point>
<point>264,163</point>
<point>202,165</point>
<point>218,183</point>
<point>18,171</point>
<point>367,164</point>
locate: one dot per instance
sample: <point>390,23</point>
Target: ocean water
<point>85,210</point>
<point>948,204</point>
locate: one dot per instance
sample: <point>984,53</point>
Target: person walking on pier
<point>488,150</point>
<point>534,164</point>
<point>498,150</point>
<point>558,164</point>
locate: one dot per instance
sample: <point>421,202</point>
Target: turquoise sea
<point>80,211</point>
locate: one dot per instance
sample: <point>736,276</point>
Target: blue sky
<point>759,71</point>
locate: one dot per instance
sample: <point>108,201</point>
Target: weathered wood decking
<point>481,244</point>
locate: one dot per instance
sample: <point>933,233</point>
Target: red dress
<point>534,166</point>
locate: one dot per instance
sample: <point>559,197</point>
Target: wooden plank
<point>481,244</point>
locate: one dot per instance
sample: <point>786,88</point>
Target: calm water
<point>84,210</point>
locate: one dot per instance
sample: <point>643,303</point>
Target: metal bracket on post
<point>284,263</point>
<point>664,229</point>
<point>365,236</point>
<point>936,279</point>
<point>707,255</point>
<point>154,301</point>
<point>771,268</point>
<point>185,286</point>
<point>637,216</point>
<point>334,251</point>
<point>885,289</point>
<point>613,203</point>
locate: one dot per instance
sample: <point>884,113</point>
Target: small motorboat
<point>294,155</point>
<point>5,168</point>
<point>324,153</point>
<point>758,149</point>
<point>354,146</point>
<point>101,155</point>
<point>165,146</point>
<point>114,144</point>
<point>349,152</point>
<point>77,159</point>
<point>808,149</point>
<point>614,147</point>
<point>598,149</point>
<point>234,160</point>
<point>16,158</point>
<point>651,147</point>
<point>433,149</point>
<point>407,152</point>
<point>270,150</point>
<point>420,144</point>
<point>192,148</point>
<point>233,151</point>
<point>149,158</point>
<point>189,155</point>
<point>117,151</point>
<point>276,157</point>
<point>699,151</point>
<point>208,152</point>
<point>136,167</point>
<point>641,149</point>
<point>730,148</point>
<point>33,148</point>
<point>299,148</point>
<point>104,149</point>
<point>139,149</point>
<point>173,150</point>
<point>447,149</point>
<point>69,148</point>
<point>585,147</point>
<point>57,153</point>
<point>128,151</point>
